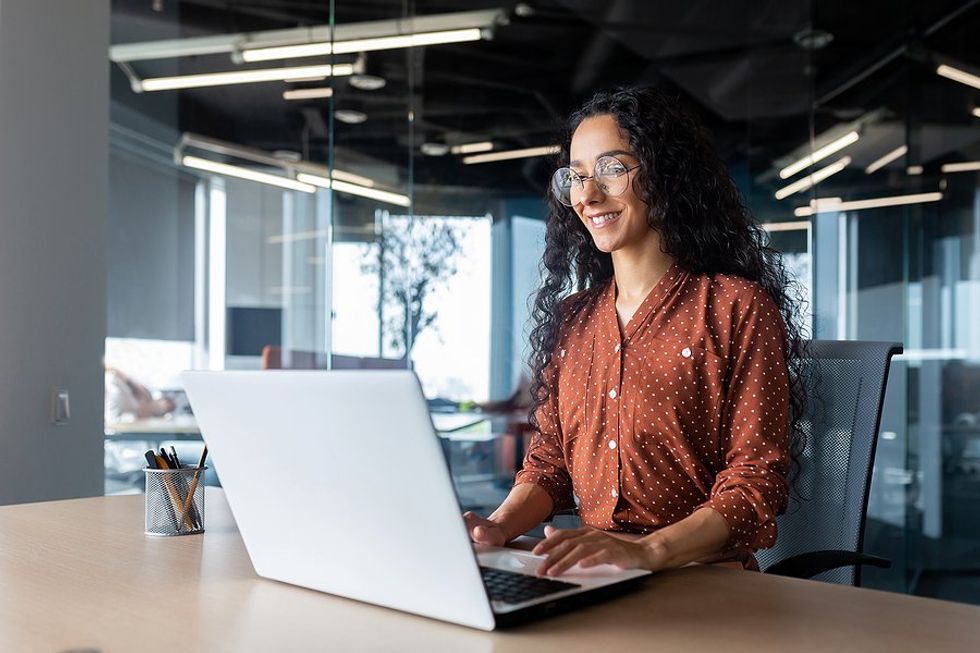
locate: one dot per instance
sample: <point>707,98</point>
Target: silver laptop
<point>338,483</point>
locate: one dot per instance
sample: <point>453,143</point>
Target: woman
<point>665,392</point>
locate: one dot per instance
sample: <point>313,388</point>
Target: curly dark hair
<point>697,211</point>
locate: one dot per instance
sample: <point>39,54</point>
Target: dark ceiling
<point>734,61</point>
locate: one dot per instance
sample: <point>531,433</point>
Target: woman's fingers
<point>600,557</point>
<point>554,537</point>
<point>560,564</point>
<point>483,531</point>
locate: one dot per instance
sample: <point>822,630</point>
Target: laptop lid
<point>338,483</point>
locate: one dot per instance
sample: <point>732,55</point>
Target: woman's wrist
<point>501,520</point>
<point>656,552</point>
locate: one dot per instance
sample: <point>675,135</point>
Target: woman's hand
<point>590,547</point>
<point>484,531</point>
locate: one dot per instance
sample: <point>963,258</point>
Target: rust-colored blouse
<point>687,407</point>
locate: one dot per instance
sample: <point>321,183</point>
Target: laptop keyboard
<point>511,587</point>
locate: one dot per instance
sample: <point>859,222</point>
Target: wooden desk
<point>81,575</point>
<point>155,429</point>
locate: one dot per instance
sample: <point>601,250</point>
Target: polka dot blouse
<point>688,407</point>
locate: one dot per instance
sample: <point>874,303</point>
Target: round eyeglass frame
<point>601,181</point>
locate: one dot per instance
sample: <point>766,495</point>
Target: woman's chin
<point>605,245</point>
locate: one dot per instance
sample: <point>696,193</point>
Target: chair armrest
<point>808,565</point>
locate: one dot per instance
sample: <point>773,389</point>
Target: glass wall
<point>411,230</point>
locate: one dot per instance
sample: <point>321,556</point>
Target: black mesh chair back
<point>821,534</point>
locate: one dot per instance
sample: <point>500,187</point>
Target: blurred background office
<point>360,183</point>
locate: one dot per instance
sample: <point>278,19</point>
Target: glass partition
<point>391,209</point>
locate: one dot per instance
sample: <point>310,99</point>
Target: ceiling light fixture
<point>958,75</point>
<point>878,164</point>
<point>308,175</point>
<point>244,173</point>
<point>786,226</point>
<point>965,166</point>
<point>526,153</point>
<point>874,203</point>
<point>350,116</point>
<point>815,178</point>
<point>354,189</point>
<point>307,93</point>
<point>432,148</point>
<point>472,148</point>
<point>364,82</point>
<point>322,48</point>
<point>914,171</point>
<point>242,77</point>
<point>820,154</point>
<point>976,112</point>
<point>352,178</point>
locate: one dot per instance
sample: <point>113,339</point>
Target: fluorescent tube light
<point>914,171</point>
<point>354,189</point>
<point>307,93</point>
<point>472,148</point>
<point>958,75</point>
<point>878,164</point>
<point>245,173</point>
<point>525,153</point>
<point>874,203</point>
<point>965,166</point>
<point>819,155</point>
<point>815,178</point>
<point>362,45</point>
<point>976,111</point>
<point>802,225</point>
<point>244,77</point>
<point>352,178</point>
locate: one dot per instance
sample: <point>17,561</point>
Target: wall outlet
<point>60,407</point>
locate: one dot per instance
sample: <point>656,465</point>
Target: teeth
<point>604,218</point>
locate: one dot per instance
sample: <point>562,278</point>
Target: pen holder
<point>174,501</point>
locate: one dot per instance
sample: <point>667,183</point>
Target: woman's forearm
<point>525,507</point>
<point>700,535</point>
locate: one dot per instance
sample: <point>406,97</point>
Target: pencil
<point>174,493</point>
<point>197,477</point>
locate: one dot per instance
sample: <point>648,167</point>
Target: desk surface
<point>81,574</point>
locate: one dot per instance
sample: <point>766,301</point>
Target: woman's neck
<point>637,269</point>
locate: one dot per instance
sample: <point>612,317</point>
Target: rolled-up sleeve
<point>755,437</point>
<point>544,465</point>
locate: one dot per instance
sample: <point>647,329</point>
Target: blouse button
<point>614,493</point>
<point>612,444</point>
<point>686,352</point>
<point>612,393</point>
<point>562,353</point>
<point>618,347</point>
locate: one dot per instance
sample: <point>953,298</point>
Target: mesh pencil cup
<point>174,501</point>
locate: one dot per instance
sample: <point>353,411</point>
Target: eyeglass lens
<point>610,175</point>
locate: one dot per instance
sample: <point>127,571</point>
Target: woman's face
<point>615,222</point>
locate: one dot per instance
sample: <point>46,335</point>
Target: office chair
<point>821,535</point>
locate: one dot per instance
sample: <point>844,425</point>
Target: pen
<point>153,461</point>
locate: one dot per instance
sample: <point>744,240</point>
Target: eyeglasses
<point>610,175</point>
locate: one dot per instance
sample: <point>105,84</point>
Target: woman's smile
<point>603,220</point>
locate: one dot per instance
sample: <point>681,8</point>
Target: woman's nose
<point>590,193</point>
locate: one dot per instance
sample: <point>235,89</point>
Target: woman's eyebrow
<point>608,153</point>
